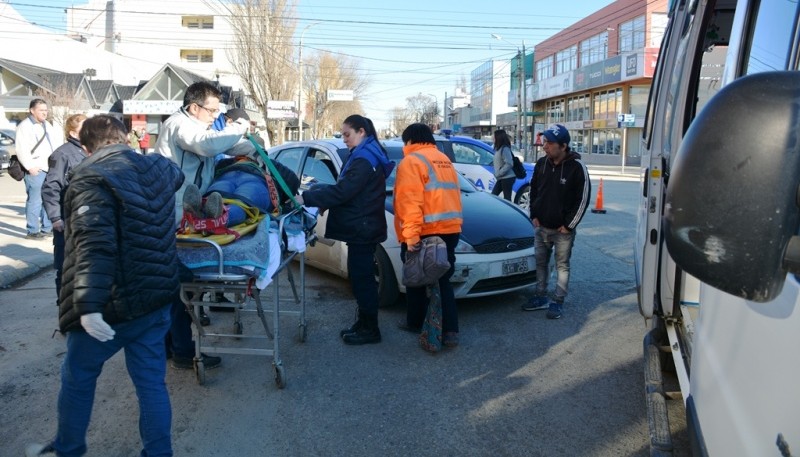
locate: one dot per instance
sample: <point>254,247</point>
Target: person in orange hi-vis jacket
<point>427,202</point>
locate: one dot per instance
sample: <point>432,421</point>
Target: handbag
<point>426,265</point>
<point>15,168</point>
<point>519,170</point>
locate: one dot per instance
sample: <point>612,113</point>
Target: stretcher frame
<point>243,286</point>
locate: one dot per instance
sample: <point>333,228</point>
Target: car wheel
<point>523,197</point>
<point>388,293</point>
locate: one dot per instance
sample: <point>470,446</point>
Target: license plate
<point>515,266</point>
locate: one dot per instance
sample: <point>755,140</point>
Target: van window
<point>770,36</point>
<point>706,79</point>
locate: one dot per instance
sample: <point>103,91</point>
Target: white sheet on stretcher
<point>258,254</point>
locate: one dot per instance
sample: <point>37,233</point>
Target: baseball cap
<point>557,133</point>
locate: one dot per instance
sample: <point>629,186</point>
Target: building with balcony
<point>594,77</point>
<point>192,34</point>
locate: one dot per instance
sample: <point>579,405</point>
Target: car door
<point>320,166</point>
<point>475,163</point>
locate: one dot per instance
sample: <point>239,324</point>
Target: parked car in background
<point>6,148</point>
<point>493,256</point>
<point>474,159</point>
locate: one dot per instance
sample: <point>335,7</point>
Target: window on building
<point>637,100</point>
<point>578,108</point>
<point>594,49</point>
<point>631,35</point>
<point>606,141</point>
<point>544,68</point>
<point>578,140</point>
<point>197,55</point>
<point>567,60</point>
<point>555,112</point>
<point>607,104</point>
<point>198,22</point>
<point>658,26</point>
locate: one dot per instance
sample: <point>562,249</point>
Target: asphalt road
<point>518,385</point>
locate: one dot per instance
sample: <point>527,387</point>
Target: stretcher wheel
<point>200,371</point>
<point>237,328</point>
<point>303,332</point>
<point>280,376</point>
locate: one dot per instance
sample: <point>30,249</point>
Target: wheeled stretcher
<point>244,268</point>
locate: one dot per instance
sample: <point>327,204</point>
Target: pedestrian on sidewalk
<point>120,279</point>
<point>35,141</point>
<point>503,163</point>
<point>560,192</point>
<point>63,159</point>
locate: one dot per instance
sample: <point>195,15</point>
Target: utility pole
<point>300,86</point>
<point>524,105</point>
<point>520,82</point>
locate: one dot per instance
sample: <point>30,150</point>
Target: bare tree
<point>401,118</point>
<point>329,72</point>
<point>423,108</point>
<point>63,99</point>
<point>263,52</point>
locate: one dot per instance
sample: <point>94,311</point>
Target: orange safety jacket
<point>427,196</point>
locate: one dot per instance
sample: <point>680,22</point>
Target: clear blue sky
<point>405,48</point>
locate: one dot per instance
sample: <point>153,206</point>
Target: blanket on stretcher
<point>257,254</point>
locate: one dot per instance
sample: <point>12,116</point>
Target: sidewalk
<point>629,173</point>
<point>20,258</point>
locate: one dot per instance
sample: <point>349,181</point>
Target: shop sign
<point>163,107</point>
<point>281,109</point>
<point>612,70</point>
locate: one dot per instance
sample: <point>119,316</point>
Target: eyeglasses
<point>212,112</point>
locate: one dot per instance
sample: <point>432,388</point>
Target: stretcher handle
<point>213,244</point>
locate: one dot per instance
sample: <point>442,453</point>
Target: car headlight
<point>464,247</point>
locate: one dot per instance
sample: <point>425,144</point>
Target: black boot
<point>367,333</point>
<point>353,328</point>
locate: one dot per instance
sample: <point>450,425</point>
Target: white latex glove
<point>95,326</point>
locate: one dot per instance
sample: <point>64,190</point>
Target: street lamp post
<point>300,84</point>
<point>522,99</point>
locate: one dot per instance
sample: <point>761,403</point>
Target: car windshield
<point>396,154</point>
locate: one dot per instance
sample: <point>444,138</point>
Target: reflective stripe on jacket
<point>427,196</point>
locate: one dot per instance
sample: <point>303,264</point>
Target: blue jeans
<point>143,342</point>
<point>35,218</point>
<point>361,267</point>
<point>545,240</point>
<point>179,339</point>
<point>417,297</point>
<point>247,187</point>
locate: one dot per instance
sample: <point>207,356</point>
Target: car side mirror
<point>6,142</point>
<point>732,209</point>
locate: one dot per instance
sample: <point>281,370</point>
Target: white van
<point>717,249</point>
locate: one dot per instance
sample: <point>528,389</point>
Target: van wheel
<point>523,197</point>
<point>388,293</point>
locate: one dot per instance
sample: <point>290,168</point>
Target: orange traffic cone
<point>598,205</point>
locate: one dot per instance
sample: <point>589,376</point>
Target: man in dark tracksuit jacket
<point>560,191</point>
<point>120,279</point>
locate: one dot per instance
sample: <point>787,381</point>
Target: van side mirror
<point>732,199</point>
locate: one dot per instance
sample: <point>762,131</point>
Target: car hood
<point>488,218</point>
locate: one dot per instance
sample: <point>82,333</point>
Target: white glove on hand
<point>95,326</point>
